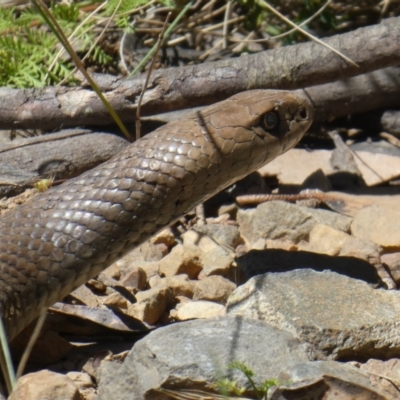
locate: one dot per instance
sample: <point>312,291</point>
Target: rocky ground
<point>297,295</point>
<point>305,297</point>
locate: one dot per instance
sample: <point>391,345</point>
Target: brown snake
<point>65,236</point>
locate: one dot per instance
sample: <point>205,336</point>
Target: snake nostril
<point>303,113</point>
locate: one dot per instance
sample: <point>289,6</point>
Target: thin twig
<point>225,28</point>
<point>222,24</point>
<point>394,382</point>
<point>5,360</point>
<point>72,39</point>
<point>385,6</point>
<point>255,199</point>
<point>58,32</point>
<point>95,42</point>
<point>209,51</point>
<point>158,45</point>
<point>200,20</point>
<point>121,51</point>
<point>167,32</point>
<point>282,35</point>
<point>289,22</point>
<point>31,343</point>
<point>138,9</point>
<point>110,20</point>
<point>307,21</point>
<point>391,139</point>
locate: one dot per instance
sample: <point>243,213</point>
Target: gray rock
<point>227,235</point>
<point>329,380</point>
<point>213,288</point>
<point>278,219</point>
<point>195,354</point>
<point>333,219</point>
<point>339,316</point>
<point>216,259</point>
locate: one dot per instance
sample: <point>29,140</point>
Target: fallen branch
<point>302,65</point>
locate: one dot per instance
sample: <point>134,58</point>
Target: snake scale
<point>68,234</point>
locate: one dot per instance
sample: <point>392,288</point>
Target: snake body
<point>68,234</point>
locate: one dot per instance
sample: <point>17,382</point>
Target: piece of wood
<point>59,155</point>
<point>291,67</point>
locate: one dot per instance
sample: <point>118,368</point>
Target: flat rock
<point>379,224</point>
<point>200,309</point>
<point>294,167</point>
<point>46,384</point>
<point>180,285</point>
<point>279,219</point>
<point>166,236</point>
<point>378,162</point>
<point>215,258</point>
<point>151,304</point>
<point>146,256</point>
<point>376,166</point>
<point>195,354</point>
<point>227,235</point>
<point>325,379</point>
<point>182,260</point>
<point>213,288</point>
<point>342,318</point>
<point>135,278</point>
<point>325,240</point>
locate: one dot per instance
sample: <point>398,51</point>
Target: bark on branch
<point>291,67</point>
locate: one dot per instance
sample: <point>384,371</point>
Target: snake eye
<point>270,121</point>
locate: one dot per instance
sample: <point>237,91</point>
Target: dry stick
<point>282,35</point>
<point>291,67</point>
<point>121,51</point>
<point>160,39</point>
<point>394,382</point>
<point>138,9</point>
<point>289,22</point>
<point>390,138</point>
<point>110,20</point>
<point>143,62</point>
<point>255,199</point>
<point>378,89</point>
<point>149,22</point>
<point>209,51</point>
<point>334,135</point>
<point>31,342</point>
<point>200,20</point>
<point>308,20</point>
<point>58,32</point>
<point>5,360</point>
<point>385,6</point>
<point>174,42</point>
<point>197,395</point>
<point>72,39</point>
<point>222,24</point>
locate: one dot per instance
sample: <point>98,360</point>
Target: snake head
<point>254,127</point>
